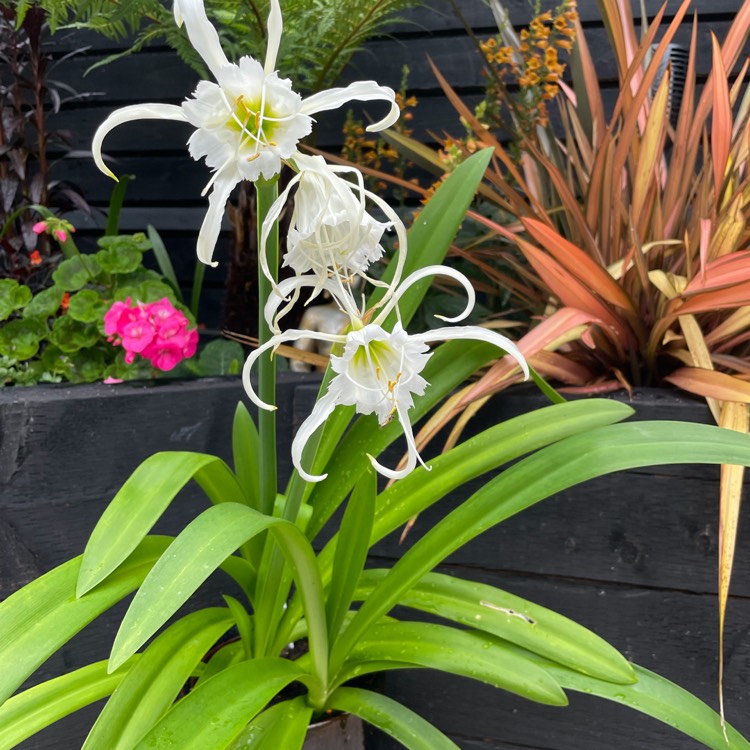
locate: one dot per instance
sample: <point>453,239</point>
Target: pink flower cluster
<point>157,331</point>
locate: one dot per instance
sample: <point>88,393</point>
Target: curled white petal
<point>209,232</point>
<point>287,291</point>
<point>363,91</point>
<point>275,26</point>
<point>391,300</point>
<point>272,216</point>
<point>322,410</point>
<point>128,114</point>
<point>203,36</point>
<point>412,454</point>
<point>272,343</point>
<point>479,334</point>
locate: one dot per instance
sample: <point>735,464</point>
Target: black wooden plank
<point>161,76</point>
<point>461,65</point>
<point>53,438</point>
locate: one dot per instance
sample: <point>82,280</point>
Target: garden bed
<point>631,556</point>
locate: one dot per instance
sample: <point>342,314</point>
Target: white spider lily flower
<point>331,233</point>
<point>248,121</point>
<point>379,371</point>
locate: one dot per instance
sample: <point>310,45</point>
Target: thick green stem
<point>267,193</point>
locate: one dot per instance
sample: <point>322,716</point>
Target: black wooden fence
<point>166,192</point>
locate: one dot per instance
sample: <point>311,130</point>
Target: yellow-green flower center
<point>379,358</point>
<point>256,124</point>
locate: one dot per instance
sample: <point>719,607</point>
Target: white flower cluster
<point>247,124</point>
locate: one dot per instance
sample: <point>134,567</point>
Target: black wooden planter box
<point>632,556</point>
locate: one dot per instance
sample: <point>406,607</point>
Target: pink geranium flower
<point>117,317</point>
<point>136,336</point>
<point>157,331</point>
<point>164,355</point>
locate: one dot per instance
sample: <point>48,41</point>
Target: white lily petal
<point>322,410</point>
<point>202,33</point>
<point>479,334</point>
<point>178,19</point>
<point>363,91</point>
<point>273,214</point>
<point>272,343</point>
<point>398,225</point>
<point>217,200</point>
<point>392,300</point>
<point>288,288</point>
<point>274,26</point>
<point>248,368</point>
<point>412,455</point>
<point>128,114</point>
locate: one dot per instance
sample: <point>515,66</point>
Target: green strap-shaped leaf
<point>396,720</point>
<point>660,698</point>
<point>512,618</point>
<point>246,454</point>
<point>489,450</point>
<point>152,685</point>
<point>115,204</point>
<point>212,715</point>
<point>433,231</point>
<point>201,548</point>
<point>283,726</point>
<point>243,622</point>
<point>228,654</point>
<point>351,550</point>
<point>544,473</point>
<point>164,261</point>
<point>140,503</point>
<point>469,653</point>
<point>27,713</point>
<point>42,616</point>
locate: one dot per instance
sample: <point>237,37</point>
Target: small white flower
<point>379,371</point>
<point>332,234</point>
<point>248,121</point>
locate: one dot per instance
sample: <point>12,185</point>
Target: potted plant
<point>285,591</point>
<point>618,232</point>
